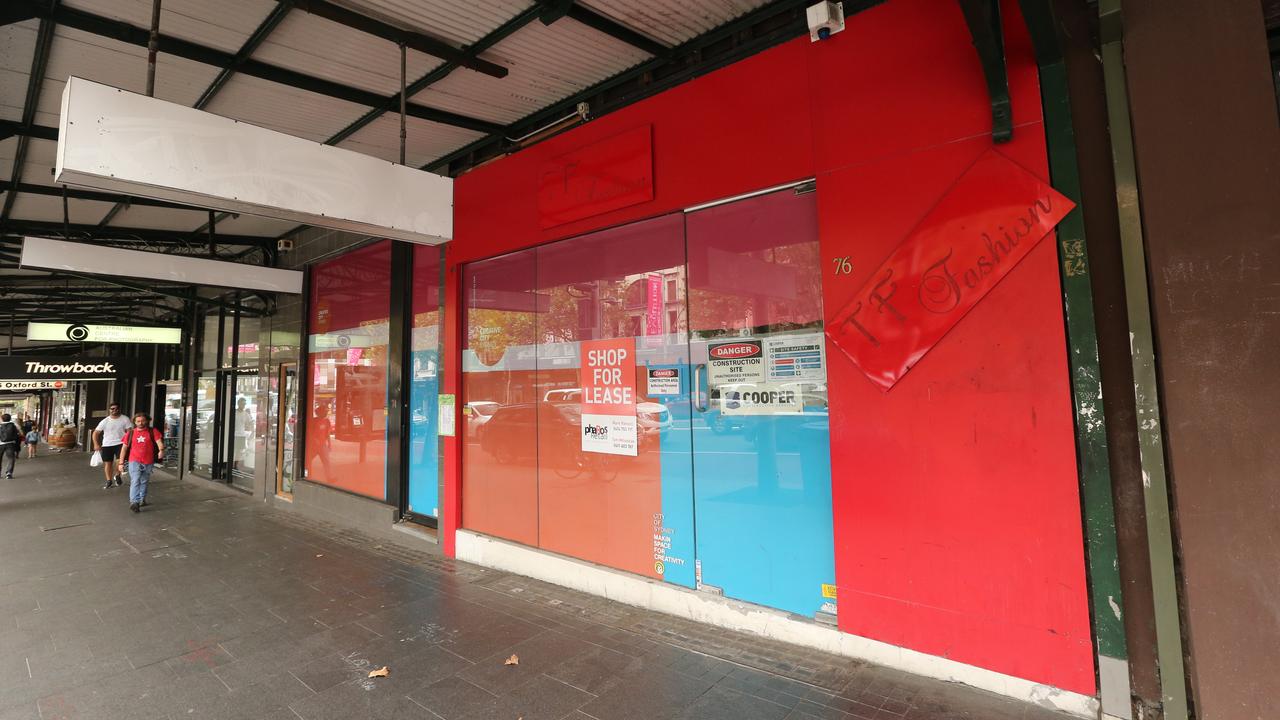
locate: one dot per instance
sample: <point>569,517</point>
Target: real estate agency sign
<point>609,396</point>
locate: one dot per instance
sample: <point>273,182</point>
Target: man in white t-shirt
<point>107,439</point>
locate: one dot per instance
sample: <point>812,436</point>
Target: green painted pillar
<point>1086,378</point>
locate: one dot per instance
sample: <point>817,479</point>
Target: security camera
<point>825,19</point>
<point>284,244</point>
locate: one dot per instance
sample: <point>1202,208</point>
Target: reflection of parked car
<point>477,413</point>
<point>509,430</point>
<point>650,416</point>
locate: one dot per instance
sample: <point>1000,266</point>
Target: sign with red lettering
<point>608,378</point>
<point>653,316</point>
<point>608,175</point>
<point>977,233</point>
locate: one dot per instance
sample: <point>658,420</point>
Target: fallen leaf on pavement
<point>513,660</point>
<point>380,672</point>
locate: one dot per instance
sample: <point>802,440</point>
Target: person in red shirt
<point>142,446</point>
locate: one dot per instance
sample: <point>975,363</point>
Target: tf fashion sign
<point>609,396</point>
<point>977,233</point>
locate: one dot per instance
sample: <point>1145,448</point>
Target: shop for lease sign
<point>609,396</point>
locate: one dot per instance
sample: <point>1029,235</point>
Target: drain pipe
<point>1155,483</point>
<point>153,47</point>
<point>404,135</point>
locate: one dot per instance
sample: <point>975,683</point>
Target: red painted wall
<point>957,518</point>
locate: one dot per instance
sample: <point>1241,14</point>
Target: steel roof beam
<point>133,35</point>
<point>39,61</point>
<point>74,194</point>
<point>616,30</point>
<point>10,14</point>
<point>10,128</point>
<point>393,103</point>
<point>40,227</point>
<point>408,38</point>
<point>754,32</point>
<point>273,19</point>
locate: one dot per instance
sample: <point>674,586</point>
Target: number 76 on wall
<point>843,266</point>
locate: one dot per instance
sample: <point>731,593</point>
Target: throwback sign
<point>609,396</point>
<point>977,233</point>
<point>27,367</point>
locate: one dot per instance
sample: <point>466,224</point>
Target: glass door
<point>422,503</point>
<point>286,411</point>
<point>205,455</point>
<point>761,460</point>
<point>240,427</point>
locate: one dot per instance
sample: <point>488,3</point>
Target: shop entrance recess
<point>226,426</point>
<point>652,398</point>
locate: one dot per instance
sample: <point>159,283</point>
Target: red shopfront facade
<point>955,526</point>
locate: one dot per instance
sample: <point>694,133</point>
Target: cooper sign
<point>977,233</point>
<point>17,367</point>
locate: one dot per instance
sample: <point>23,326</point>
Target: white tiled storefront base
<point>744,617</point>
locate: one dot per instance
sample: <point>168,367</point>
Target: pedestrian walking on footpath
<point>143,445</point>
<point>10,439</point>
<point>107,439</point>
<point>33,441</point>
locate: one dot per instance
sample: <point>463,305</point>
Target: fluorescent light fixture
<point>77,332</point>
<point>137,264</point>
<point>114,140</point>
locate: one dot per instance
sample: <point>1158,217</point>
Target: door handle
<point>697,388</point>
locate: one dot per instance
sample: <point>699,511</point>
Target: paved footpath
<point>209,604</point>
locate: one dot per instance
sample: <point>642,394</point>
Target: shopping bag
<point>96,460</point>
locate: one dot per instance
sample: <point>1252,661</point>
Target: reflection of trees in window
<point>491,332</point>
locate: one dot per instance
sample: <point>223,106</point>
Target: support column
<point>1086,378</point>
<point>399,368</point>
<point>1145,383</point>
<point>451,384</point>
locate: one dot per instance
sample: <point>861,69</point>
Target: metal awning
<point>480,75</point>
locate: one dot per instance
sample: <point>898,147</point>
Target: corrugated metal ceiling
<point>279,107</point>
<point>94,57</point>
<point>458,21</point>
<point>319,47</point>
<point>44,208</point>
<point>41,155</point>
<point>673,21</point>
<point>424,141</point>
<point>546,63</point>
<point>17,43</point>
<point>223,24</point>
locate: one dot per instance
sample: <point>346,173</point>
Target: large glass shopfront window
<point>347,325</point>
<point>639,378</point>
